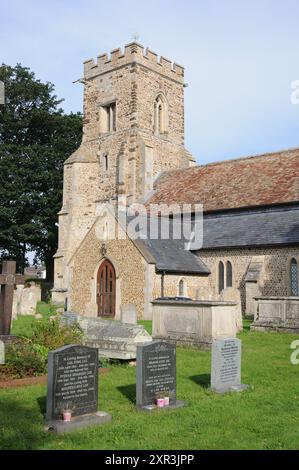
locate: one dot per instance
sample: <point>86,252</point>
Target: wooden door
<point>106,290</point>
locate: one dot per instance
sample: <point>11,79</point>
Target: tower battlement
<point>133,53</point>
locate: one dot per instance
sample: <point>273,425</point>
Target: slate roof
<point>241,183</point>
<point>276,226</point>
<point>171,257</point>
<point>254,228</point>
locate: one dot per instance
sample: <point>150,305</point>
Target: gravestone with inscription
<point>156,375</point>
<point>226,366</point>
<point>73,387</point>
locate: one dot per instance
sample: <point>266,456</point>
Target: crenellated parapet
<point>133,53</point>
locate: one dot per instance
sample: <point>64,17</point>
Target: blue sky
<point>240,58</point>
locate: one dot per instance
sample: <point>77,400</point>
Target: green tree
<point>36,137</point>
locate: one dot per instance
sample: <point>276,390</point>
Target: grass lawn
<point>265,417</point>
<point>23,324</point>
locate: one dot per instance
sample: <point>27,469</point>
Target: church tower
<point>133,130</point>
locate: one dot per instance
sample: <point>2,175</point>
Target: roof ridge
<point>222,162</point>
<point>249,157</point>
<point>251,211</point>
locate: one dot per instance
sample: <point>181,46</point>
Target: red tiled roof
<point>246,182</point>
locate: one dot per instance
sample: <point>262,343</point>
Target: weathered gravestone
<point>73,387</point>
<point>156,375</point>
<point>234,295</point>
<point>128,314</point>
<point>8,280</point>
<point>113,339</point>
<point>2,353</point>
<point>226,366</point>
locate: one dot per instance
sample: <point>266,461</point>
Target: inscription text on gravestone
<point>156,372</point>
<point>72,381</point>
<point>226,365</point>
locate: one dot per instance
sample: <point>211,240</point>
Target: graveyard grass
<point>264,417</point>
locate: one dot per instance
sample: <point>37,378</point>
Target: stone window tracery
<point>161,115</point>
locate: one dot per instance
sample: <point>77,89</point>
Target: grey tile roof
<point>170,256</point>
<point>251,228</point>
<point>268,227</point>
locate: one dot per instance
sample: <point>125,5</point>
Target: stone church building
<point>133,151</point>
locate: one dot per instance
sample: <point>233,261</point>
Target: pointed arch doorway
<point>106,289</point>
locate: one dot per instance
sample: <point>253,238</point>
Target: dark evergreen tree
<point>36,137</point>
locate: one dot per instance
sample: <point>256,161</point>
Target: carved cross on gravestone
<point>8,280</point>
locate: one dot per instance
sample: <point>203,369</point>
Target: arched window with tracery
<point>161,115</point>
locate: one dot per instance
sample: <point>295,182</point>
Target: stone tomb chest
<point>195,323</point>
<point>276,314</point>
<point>156,375</point>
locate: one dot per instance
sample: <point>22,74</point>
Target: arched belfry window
<point>108,117</point>
<point>229,274</point>
<point>294,277</point>
<point>161,115</point>
<point>220,276</point>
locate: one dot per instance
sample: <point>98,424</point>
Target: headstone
<point>232,294</point>
<point>203,293</point>
<point>73,386</point>
<point>253,286</point>
<point>226,366</point>
<point>128,314</point>
<point>2,353</point>
<point>156,375</point>
<point>8,280</point>
<point>113,339</point>
<point>26,298</point>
